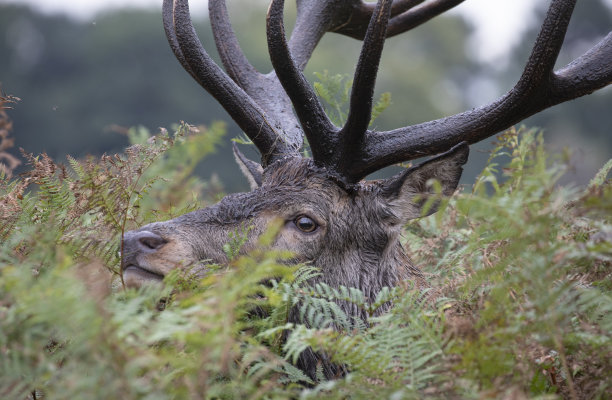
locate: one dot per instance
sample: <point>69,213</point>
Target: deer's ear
<point>250,169</point>
<point>408,191</point>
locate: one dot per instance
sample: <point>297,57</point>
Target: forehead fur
<point>296,171</point>
<point>291,181</point>
<point>302,178</point>
<point>297,184</point>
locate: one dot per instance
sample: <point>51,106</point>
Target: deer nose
<point>143,241</point>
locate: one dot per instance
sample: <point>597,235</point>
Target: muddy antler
<point>317,127</point>
<point>331,146</point>
<point>538,88</point>
<point>261,108</point>
<point>259,124</point>
<point>405,15</point>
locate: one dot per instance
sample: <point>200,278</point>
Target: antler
<point>330,146</point>
<point>360,108</point>
<point>259,106</point>
<point>538,88</point>
<point>274,138</point>
<point>256,101</point>
<point>319,130</point>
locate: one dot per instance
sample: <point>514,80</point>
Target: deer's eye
<point>305,224</point>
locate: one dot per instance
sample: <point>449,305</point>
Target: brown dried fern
<point>8,162</point>
<point>87,207</point>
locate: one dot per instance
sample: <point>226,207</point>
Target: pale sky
<point>498,22</point>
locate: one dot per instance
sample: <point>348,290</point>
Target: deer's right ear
<point>408,191</point>
<point>250,169</point>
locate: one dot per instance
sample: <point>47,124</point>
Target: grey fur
<point>356,243</point>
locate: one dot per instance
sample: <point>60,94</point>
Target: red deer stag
<point>346,227</point>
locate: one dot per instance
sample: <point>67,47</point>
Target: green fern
<point>520,301</point>
<point>334,91</point>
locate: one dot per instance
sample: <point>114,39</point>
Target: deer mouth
<point>141,273</point>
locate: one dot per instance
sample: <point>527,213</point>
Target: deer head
<point>330,217</point>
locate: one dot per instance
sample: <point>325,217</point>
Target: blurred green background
<point>83,81</point>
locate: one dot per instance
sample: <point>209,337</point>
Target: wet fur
<point>356,243</point>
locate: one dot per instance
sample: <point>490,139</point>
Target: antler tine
<point>168,20</point>
<point>360,109</point>
<point>587,73</point>
<point>247,114</point>
<point>419,15</point>
<point>311,23</point>
<point>405,15</point>
<point>317,127</point>
<point>398,7</point>
<point>232,57</point>
<point>538,88</point>
<point>541,63</point>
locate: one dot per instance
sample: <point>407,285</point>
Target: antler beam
<point>538,88</point>
<point>351,18</point>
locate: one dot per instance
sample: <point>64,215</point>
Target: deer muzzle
<point>148,256</point>
<point>137,249</point>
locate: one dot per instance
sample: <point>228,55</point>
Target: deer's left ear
<point>408,191</point>
<point>250,169</point>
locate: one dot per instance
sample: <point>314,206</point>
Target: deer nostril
<point>152,241</point>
